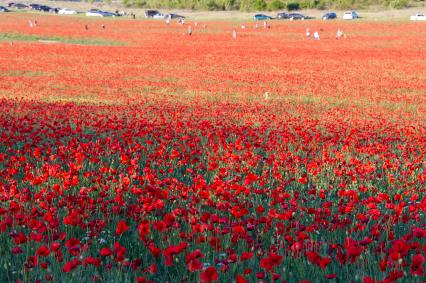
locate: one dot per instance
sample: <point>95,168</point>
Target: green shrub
<point>276,5</point>
<point>398,4</point>
<point>259,5</point>
<point>292,6</point>
<point>343,4</point>
<point>253,5</point>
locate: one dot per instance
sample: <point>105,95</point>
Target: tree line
<point>265,5</point>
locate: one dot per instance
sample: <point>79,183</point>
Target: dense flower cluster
<point>164,160</point>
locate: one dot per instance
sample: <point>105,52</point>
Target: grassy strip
<point>81,41</point>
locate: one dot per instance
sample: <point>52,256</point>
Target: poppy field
<point>131,151</point>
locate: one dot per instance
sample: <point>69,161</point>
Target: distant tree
<point>276,5</point>
<point>398,4</point>
<point>262,5</point>
<point>292,6</point>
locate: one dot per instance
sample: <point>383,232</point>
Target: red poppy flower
<point>240,279</point>
<point>105,252</point>
<point>209,275</point>
<point>121,227</point>
<point>43,251</point>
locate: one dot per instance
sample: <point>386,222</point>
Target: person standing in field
<point>30,23</point>
<point>189,30</point>
<point>86,27</point>
<point>234,34</point>
<point>316,36</point>
<point>308,32</point>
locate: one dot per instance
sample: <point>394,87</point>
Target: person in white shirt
<point>308,32</point>
<point>316,36</point>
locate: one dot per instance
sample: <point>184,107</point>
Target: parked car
<point>94,13</point>
<point>329,16</point>
<point>4,9</point>
<point>54,10</point>
<point>67,11</point>
<point>282,16</point>
<point>34,6</point>
<point>418,17</point>
<point>296,16</point>
<point>158,16</point>
<point>151,13</point>
<point>45,8</point>
<point>173,16</point>
<point>261,17</point>
<point>39,7</point>
<point>350,15</point>
<point>17,5</point>
<point>99,13</point>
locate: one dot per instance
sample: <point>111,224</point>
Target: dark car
<point>282,16</point>
<point>151,13</point>
<point>34,6</point>
<point>260,17</point>
<point>17,5</point>
<point>42,8</point>
<point>4,9</point>
<point>296,16</point>
<point>329,16</point>
<point>173,16</point>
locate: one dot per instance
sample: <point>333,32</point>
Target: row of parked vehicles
<point>154,14</point>
<point>348,15</point>
<point>60,11</point>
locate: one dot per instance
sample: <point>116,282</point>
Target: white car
<point>418,17</point>
<point>67,11</point>
<point>159,16</point>
<point>99,13</point>
<point>94,13</point>
<point>350,15</point>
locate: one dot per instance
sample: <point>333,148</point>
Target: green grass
<point>80,41</point>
